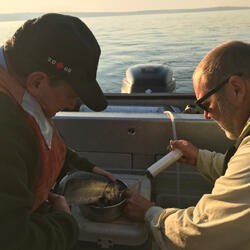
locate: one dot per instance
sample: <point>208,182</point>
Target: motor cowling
<point>148,78</point>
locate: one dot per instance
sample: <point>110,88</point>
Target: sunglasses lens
<point>201,106</point>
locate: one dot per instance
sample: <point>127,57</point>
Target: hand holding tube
<point>189,151</point>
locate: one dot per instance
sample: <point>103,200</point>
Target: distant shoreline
<point>28,15</point>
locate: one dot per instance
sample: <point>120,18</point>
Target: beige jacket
<point>220,220</point>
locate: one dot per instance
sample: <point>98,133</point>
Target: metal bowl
<point>105,213</point>
<point>93,186</point>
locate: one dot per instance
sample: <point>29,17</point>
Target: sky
<point>14,6</point>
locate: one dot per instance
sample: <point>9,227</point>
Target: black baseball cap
<point>64,47</point>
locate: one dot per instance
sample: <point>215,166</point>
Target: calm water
<point>178,40</point>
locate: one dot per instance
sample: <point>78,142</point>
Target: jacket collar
<point>244,133</point>
<point>31,106</point>
<point>2,60</point>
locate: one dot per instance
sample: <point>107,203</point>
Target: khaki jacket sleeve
<point>210,164</point>
<point>220,220</point>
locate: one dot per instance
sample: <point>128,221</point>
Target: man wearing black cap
<point>48,63</point>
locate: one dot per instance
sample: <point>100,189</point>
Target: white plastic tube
<point>164,162</point>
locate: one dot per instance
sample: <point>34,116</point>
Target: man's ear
<point>238,88</point>
<point>35,82</point>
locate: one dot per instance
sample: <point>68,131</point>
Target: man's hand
<point>58,203</point>
<point>136,206</point>
<point>104,173</point>
<point>189,151</point>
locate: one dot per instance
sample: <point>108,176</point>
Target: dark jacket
<point>19,228</point>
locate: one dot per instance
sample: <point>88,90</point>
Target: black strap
<point>230,152</point>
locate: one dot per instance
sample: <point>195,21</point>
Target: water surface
<point>179,40</point>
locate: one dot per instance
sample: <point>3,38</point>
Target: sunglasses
<point>211,92</point>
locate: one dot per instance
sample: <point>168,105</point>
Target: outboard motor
<point>148,78</point>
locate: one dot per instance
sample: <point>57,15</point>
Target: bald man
<point>221,219</point>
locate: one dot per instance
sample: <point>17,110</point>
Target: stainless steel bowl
<point>105,213</point>
<point>82,187</point>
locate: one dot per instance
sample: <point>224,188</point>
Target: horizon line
<point>116,13</point>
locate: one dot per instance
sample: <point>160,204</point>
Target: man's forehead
<point>199,83</point>
<point>199,77</point>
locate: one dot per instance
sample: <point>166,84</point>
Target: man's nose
<point>206,115</point>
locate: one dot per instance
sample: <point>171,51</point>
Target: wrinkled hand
<point>189,151</point>
<point>136,206</point>
<point>58,203</point>
<point>104,173</point>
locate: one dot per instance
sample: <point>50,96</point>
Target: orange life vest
<point>50,159</point>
